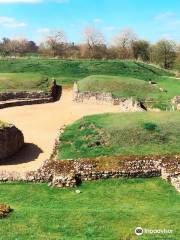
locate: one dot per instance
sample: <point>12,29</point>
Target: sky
<point>34,19</point>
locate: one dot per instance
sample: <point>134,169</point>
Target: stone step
<point>22,102</point>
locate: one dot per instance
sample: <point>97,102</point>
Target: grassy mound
<point>106,209</point>
<point>23,82</point>
<point>118,86</point>
<point>66,71</point>
<point>131,87</point>
<point>122,134</point>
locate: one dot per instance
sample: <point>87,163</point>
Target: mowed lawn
<point>148,133</point>
<point>68,71</point>
<point>104,210</point>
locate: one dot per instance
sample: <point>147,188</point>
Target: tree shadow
<point>29,152</point>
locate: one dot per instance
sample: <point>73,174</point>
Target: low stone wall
<point>12,99</point>
<point>17,103</point>
<point>24,95</point>
<point>11,140</point>
<point>125,105</point>
<point>70,173</point>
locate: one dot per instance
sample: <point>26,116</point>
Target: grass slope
<point>23,81</point>
<point>122,134</point>
<point>105,210</point>
<point>67,71</point>
<point>131,87</point>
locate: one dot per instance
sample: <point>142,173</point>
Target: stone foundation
<point>126,105</point>
<point>70,173</point>
<point>12,99</point>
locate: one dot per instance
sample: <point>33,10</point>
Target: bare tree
<point>56,44</point>
<point>17,47</point>
<point>94,46</point>
<point>123,42</point>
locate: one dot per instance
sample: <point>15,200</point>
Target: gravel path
<point>40,124</point>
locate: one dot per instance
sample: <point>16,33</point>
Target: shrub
<point>150,126</point>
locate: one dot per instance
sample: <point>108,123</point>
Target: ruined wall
<point>11,99</point>
<point>125,105</point>
<point>70,173</point>
<point>11,140</point>
<point>23,95</point>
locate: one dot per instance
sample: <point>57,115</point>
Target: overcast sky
<point>33,19</point>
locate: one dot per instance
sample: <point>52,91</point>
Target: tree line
<point>125,45</point>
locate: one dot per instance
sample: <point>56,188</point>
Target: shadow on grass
<point>29,152</point>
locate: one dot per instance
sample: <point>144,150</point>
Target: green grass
<point>67,71</point>
<point>125,87</point>
<point>23,82</point>
<point>122,134</point>
<point>105,210</point>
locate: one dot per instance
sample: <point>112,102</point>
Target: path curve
<point>40,125</point>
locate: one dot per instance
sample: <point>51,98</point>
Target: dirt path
<point>40,124</point>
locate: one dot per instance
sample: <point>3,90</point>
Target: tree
<point>177,62</point>
<point>72,51</point>
<point>17,47</point>
<point>31,47</point>
<point>123,42</point>
<point>141,50</point>
<point>56,44</point>
<point>94,47</point>
<point>164,53</point>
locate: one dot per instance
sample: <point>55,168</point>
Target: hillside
<point>67,71</point>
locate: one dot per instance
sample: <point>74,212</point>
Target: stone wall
<point>11,99</point>
<point>23,95</point>
<point>125,105</point>
<point>70,173</point>
<point>11,140</point>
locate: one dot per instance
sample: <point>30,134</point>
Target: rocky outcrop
<point>126,105</point>
<point>11,140</point>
